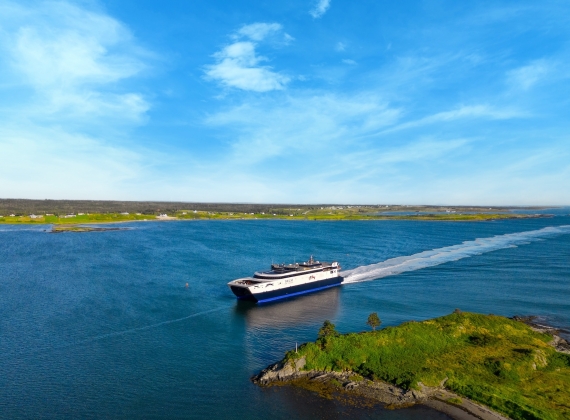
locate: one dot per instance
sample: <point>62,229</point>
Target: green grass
<point>490,359</point>
<point>85,218</point>
<point>455,400</point>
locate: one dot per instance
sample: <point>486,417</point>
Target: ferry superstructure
<point>285,280</point>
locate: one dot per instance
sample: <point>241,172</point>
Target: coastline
<point>348,386</point>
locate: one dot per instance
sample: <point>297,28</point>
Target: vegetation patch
<point>455,400</point>
<point>496,361</point>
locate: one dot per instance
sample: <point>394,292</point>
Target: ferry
<point>286,280</point>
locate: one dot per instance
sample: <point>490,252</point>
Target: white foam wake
<point>449,253</point>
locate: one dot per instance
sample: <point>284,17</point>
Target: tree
<point>328,330</point>
<point>373,320</point>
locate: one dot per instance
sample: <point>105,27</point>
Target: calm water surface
<point>101,325</point>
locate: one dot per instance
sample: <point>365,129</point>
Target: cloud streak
<point>291,124</point>
<point>463,112</point>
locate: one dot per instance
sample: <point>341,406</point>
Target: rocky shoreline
<point>559,343</point>
<point>349,386</point>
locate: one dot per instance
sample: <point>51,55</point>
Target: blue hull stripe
<point>298,293</point>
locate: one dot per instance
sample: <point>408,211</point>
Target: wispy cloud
<point>61,133</point>
<point>463,112</point>
<point>302,122</point>
<point>258,31</point>
<point>320,8</point>
<point>70,56</point>
<point>448,114</point>
<point>239,66</point>
<point>53,162</point>
<point>527,76</point>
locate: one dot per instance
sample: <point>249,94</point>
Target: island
<point>80,228</point>
<point>468,365</point>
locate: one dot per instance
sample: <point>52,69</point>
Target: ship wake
<point>439,256</point>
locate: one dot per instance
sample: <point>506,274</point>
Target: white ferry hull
<point>275,289</point>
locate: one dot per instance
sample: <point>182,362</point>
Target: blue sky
<point>299,101</point>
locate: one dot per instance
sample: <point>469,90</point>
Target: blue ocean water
<point>102,325</point>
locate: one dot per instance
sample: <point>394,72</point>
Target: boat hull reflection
<point>303,310</point>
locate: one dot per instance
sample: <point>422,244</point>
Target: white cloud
<point>527,76</point>
<point>340,46</point>
<point>349,61</point>
<point>239,66</point>
<point>258,31</point>
<point>320,8</point>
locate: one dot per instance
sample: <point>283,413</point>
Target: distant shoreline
<point>87,212</point>
<point>96,219</point>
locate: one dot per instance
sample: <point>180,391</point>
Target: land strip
<point>88,212</point>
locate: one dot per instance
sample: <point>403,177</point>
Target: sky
<point>297,101</point>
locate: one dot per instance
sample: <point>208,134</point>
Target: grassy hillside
<point>496,361</point>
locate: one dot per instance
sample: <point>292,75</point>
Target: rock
<point>286,371</point>
<point>418,395</point>
<point>560,344</point>
<point>350,385</point>
<point>281,372</point>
